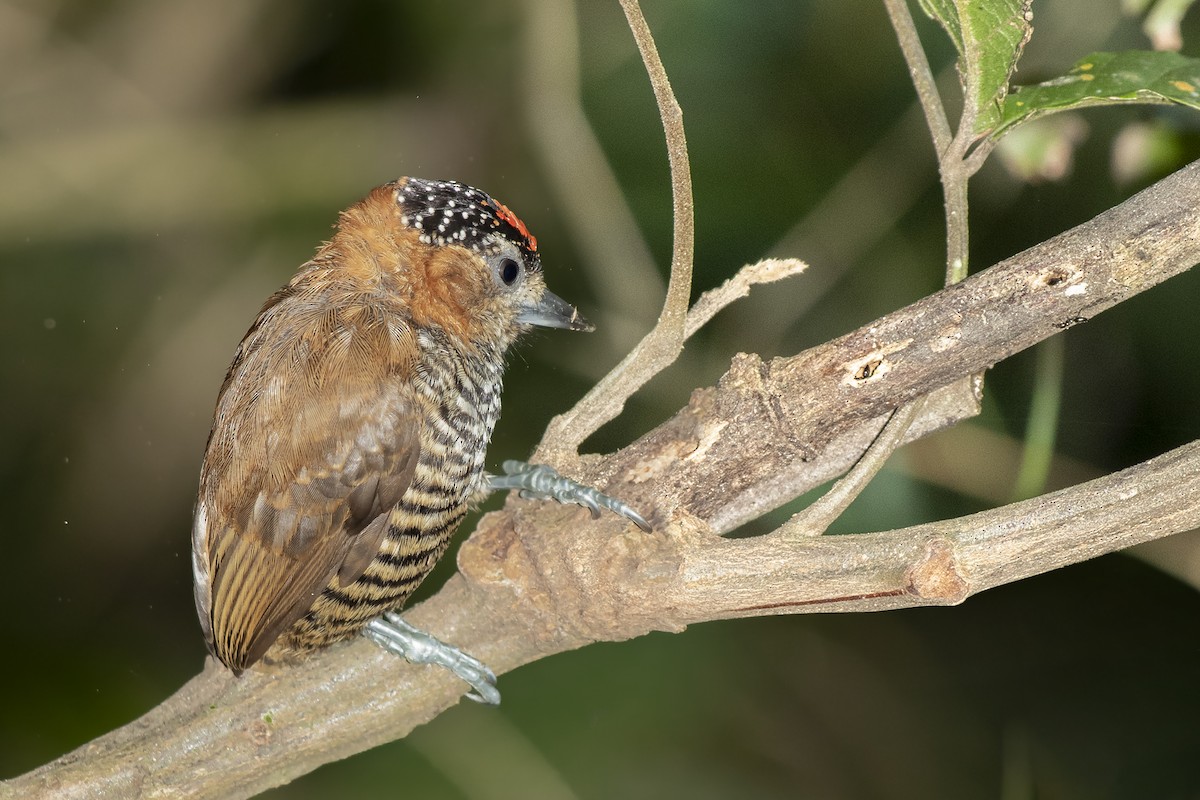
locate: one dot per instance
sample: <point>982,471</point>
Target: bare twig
<point>921,74</point>
<point>955,168</point>
<point>768,270</point>
<point>816,519</point>
<point>951,150</point>
<point>661,346</point>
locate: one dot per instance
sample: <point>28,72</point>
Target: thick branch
<point>220,736</point>
<point>793,409</point>
<point>764,434</point>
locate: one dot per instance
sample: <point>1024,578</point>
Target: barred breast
<point>460,396</point>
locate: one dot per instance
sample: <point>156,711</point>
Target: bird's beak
<point>554,312</point>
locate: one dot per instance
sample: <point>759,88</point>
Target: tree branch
<point>765,433</point>
<point>794,408</point>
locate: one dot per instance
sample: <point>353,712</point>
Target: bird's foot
<point>542,482</point>
<point>393,634</point>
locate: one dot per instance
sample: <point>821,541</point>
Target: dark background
<point>165,166</point>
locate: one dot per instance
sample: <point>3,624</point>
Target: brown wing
<point>314,441</point>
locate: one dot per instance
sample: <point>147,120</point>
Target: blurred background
<point>166,166</point>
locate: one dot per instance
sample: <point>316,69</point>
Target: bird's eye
<point>508,271</point>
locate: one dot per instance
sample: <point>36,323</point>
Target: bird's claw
<point>393,634</point>
<point>542,482</point>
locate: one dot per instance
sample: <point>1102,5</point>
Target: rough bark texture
<point>538,579</point>
<point>761,436</point>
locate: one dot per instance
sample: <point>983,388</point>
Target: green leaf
<point>1103,79</point>
<point>989,36</point>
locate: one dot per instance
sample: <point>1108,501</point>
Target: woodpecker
<point>349,436</point>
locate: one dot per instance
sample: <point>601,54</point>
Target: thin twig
<point>816,519</point>
<point>922,75</point>
<point>951,149</point>
<point>661,346</point>
<point>768,270</point>
<point>679,288</point>
<point>954,185</point>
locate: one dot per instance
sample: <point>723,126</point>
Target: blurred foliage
<point>167,165</point>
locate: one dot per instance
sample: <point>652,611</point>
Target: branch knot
<point>936,576</point>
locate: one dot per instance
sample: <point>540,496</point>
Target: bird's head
<point>461,260</point>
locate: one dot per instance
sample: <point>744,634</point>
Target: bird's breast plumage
<point>462,394</point>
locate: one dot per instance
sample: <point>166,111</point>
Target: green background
<point>165,166</point>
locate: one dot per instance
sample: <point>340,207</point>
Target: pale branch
<point>765,433</point>
<point>939,563</point>
<point>768,270</point>
<point>661,346</point>
<point>792,408</point>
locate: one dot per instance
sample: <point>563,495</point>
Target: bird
<point>350,433</point>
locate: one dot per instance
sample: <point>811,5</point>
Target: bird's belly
<point>420,527</point>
